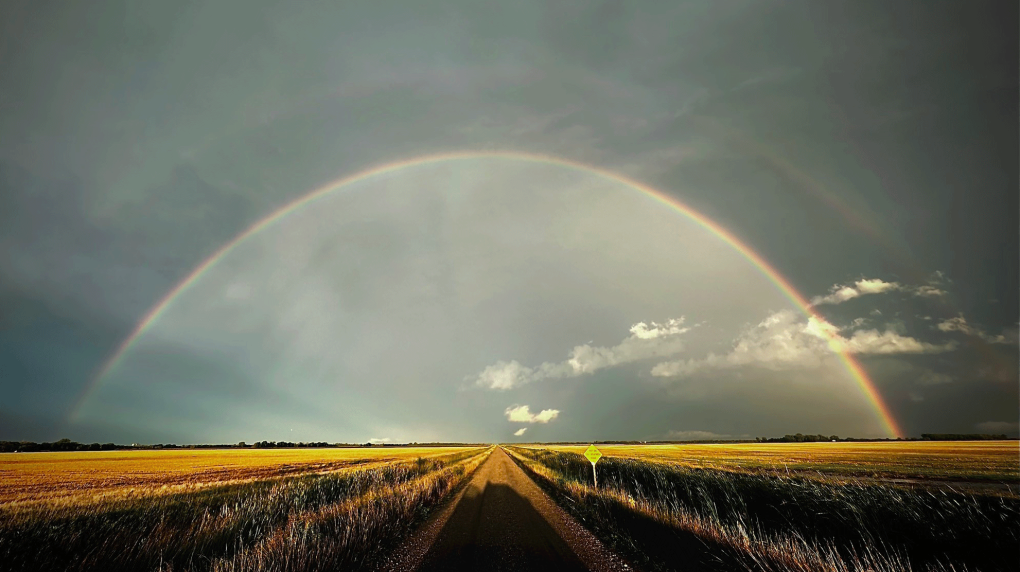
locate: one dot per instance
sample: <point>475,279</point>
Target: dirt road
<point>503,521</point>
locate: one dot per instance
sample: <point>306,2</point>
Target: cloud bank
<point>959,324</point>
<point>840,293</point>
<point>646,340</point>
<point>786,340</point>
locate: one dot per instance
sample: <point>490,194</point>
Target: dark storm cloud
<point>841,140</point>
<point>74,283</point>
<point>32,332</point>
<point>921,98</point>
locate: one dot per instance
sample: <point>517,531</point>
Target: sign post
<point>593,455</point>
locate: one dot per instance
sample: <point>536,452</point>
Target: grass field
<point>87,476</point>
<point>997,461</point>
<point>833,507</point>
<point>226,510</point>
<point>739,508</point>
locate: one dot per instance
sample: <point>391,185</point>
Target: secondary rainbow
<point>855,369</point>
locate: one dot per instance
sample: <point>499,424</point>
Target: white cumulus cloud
<point>523,414</point>
<point>788,340</point>
<point>520,431</point>
<point>505,375</point>
<point>839,293</point>
<point>927,291</point>
<point>959,324</point>
<point>646,340</point>
<point>889,342</point>
<point>672,327</point>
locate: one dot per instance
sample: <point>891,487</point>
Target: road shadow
<point>655,546</point>
<point>648,543</point>
<point>497,529</point>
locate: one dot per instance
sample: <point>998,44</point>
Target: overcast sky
<point>866,150</point>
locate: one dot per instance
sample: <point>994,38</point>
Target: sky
<point>548,232</point>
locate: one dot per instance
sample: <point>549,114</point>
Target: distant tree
<point>961,437</point>
<point>61,445</point>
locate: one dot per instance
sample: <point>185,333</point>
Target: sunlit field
<point>82,476</point>
<point>997,461</point>
<point>781,506</point>
<point>303,510</point>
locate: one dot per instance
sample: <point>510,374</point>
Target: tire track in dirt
<point>502,520</point>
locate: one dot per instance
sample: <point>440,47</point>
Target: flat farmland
<point>90,475</point>
<point>226,509</point>
<point>986,461</point>
<point>838,507</point>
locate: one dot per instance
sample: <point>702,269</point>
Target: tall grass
<point>775,522</point>
<point>341,518</point>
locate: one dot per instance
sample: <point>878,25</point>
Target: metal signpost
<point>593,455</point>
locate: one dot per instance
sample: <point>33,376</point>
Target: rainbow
<point>154,313</point>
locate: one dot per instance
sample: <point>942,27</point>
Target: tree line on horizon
<point>801,438</point>
<point>69,445</point>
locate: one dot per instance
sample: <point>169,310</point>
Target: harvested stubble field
<point>260,511</point>
<point>987,461</point>
<point>662,507</point>
<point>77,477</point>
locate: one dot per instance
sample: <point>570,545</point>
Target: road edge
<point>410,552</point>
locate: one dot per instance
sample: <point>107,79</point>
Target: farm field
<point>735,507</point>
<point>993,461</point>
<point>805,506</point>
<point>301,510</point>
<point>86,475</point>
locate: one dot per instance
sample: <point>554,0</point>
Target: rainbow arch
<point>856,371</point>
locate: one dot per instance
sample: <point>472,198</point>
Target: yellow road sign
<point>593,454</point>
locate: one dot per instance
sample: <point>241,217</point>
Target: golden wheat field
<point>90,475</point>
<point>755,519</point>
<point>997,461</point>
<point>221,510</point>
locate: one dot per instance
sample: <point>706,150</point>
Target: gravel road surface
<point>503,521</point>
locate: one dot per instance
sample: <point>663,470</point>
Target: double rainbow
<point>855,369</point>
